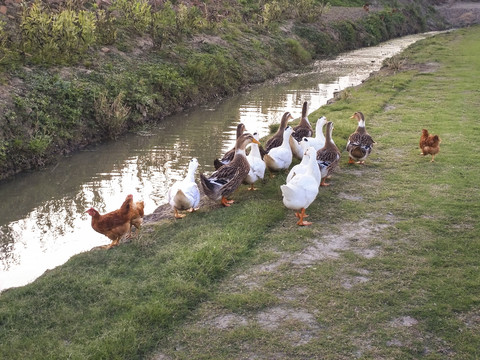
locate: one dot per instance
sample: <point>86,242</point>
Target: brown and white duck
<point>277,139</point>
<point>360,143</point>
<point>328,156</point>
<point>230,153</point>
<point>229,177</point>
<point>303,129</point>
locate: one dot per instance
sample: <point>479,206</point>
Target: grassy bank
<point>388,270</point>
<point>80,73</point>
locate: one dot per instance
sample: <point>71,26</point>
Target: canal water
<point>42,217</point>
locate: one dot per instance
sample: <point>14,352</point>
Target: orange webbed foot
<point>178,215</point>
<point>323,183</point>
<point>304,223</point>
<point>301,216</point>
<point>226,202</point>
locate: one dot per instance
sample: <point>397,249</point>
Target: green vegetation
<point>389,269</point>
<point>63,65</point>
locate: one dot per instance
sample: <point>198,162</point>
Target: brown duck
<point>328,156</point>
<point>303,129</point>
<point>229,177</point>
<point>360,143</point>
<point>277,139</point>
<point>230,153</point>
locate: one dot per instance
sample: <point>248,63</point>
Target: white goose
<point>184,194</point>
<point>280,158</point>
<point>302,167</point>
<point>257,165</point>
<point>302,189</point>
<point>319,140</point>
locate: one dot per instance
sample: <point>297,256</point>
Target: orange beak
<point>255,141</point>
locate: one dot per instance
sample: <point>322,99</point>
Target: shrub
<point>189,19</point>
<point>299,54</point>
<point>169,25</point>
<point>272,12</point>
<point>171,84</point>
<point>210,71</point>
<point>322,42</point>
<point>3,152</point>
<point>39,144</point>
<point>136,14</point>
<point>164,24</point>
<point>309,10</point>
<point>347,34</point>
<point>375,27</point>
<point>106,30</point>
<point>56,38</point>
<point>6,52</point>
<point>111,116</point>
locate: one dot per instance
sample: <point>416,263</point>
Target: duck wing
<point>227,158</point>
<point>301,131</point>
<point>273,143</point>
<point>327,160</point>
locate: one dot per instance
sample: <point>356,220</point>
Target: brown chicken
<point>136,216</point>
<point>429,144</point>
<point>116,223</point>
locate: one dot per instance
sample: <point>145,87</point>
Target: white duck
<point>184,194</point>
<point>296,148</point>
<point>303,129</point>
<point>319,140</point>
<point>302,189</point>
<point>257,165</point>
<point>280,158</point>
<point>302,167</point>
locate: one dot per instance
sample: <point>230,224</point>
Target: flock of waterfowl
<point>318,154</point>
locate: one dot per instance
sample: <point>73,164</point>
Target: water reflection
<point>42,217</point>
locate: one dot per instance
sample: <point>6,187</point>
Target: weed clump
<point>111,115</point>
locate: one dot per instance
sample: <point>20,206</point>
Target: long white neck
<point>255,150</point>
<point>191,173</point>
<point>286,136</point>
<point>361,124</point>
<point>305,159</point>
<point>313,168</point>
<point>319,133</point>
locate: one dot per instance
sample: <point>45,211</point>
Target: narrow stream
<point>42,217</point>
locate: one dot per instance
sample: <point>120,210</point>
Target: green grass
<point>389,269</point>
